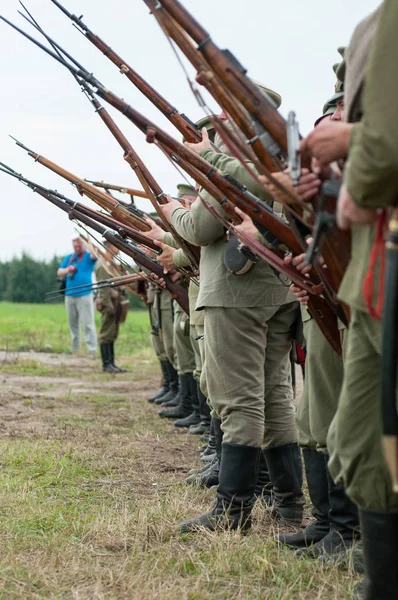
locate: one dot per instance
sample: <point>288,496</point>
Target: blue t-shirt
<point>83,275</point>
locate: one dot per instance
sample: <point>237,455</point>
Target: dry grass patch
<point>91,490</point>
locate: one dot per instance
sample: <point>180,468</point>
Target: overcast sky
<point>289,45</point>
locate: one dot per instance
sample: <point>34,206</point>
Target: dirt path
<point>92,488</point>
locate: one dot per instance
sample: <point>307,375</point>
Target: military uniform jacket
<point>359,177</point>
<point>108,299</point>
<point>218,287</point>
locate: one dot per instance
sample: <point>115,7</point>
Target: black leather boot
<point>286,474</point>
<point>112,352</point>
<point>107,365</point>
<point>185,406</point>
<point>263,490</point>
<point>194,417</point>
<point>173,392</point>
<point>235,493</point>
<point>209,477</point>
<point>380,545</point>
<point>344,523</point>
<point>166,382</point>
<point>204,410</point>
<point>318,487</point>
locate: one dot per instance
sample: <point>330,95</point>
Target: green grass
<point>44,327</point>
<point>92,489</point>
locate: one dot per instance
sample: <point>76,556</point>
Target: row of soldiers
<point>227,371</point>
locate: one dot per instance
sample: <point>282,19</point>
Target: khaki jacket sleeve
<point>169,240</point>
<point>197,226</point>
<point>372,170</point>
<point>179,257</point>
<point>228,165</point>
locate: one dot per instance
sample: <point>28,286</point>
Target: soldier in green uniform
<point>370,183</point>
<point>169,387</point>
<point>108,302</point>
<point>249,328</point>
<point>336,525</point>
<point>187,412</point>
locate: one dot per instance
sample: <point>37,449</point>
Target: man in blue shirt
<point>77,269</point>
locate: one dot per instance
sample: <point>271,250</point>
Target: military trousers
<point>156,338</point>
<point>196,350</point>
<point>248,373</point>
<point>324,374</point>
<point>354,440</point>
<point>167,335</point>
<point>182,342</point>
<point>109,328</point>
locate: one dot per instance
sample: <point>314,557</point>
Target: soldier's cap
<point>339,69</point>
<point>184,189</point>
<point>329,109</point>
<point>273,95</point>
<point>205,122</point>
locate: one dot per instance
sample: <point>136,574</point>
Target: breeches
<point>156,339</point>
<point>322,385</point>
<point>109,328</point>
<point>354,440</point>
<point>168,336</point>
<point>182,343</point>
<point>248,373</point>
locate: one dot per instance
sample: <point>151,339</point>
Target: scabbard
<point>390,355</point>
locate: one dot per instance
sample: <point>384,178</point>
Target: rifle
<point>215,87</point>
<point>117,269</point>
<point>176,290</point>
<point>175,149</point>
<point>97,285</point>
<point>151,187</point>
<point>184,125</point>
<point>118,188</point>
<point>270,126</point>
<point>320,310</point>
<point>123,230</point>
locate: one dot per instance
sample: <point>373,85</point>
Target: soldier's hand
<point>170,207</point>
<point>205,143</point>
<point>166,258</point>
<point>298,262</point>
<point>279,195</point>
<point>308,186</point>
<point>247,227</point>
<point>348,213</point>
<point>328,142</point>
<point>301,295</point>
<point>155,233</point>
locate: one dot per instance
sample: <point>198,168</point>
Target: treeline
<point>25,279</point>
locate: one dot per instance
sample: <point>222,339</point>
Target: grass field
<point>44,327</point>
<point>92,487</point>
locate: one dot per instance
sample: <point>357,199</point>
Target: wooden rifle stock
<point>271,126</point>
<point>104,200</point>
<point>118,188</point>
<point>152,188</point>
<point>178,292</point>
<point>184,125</point>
